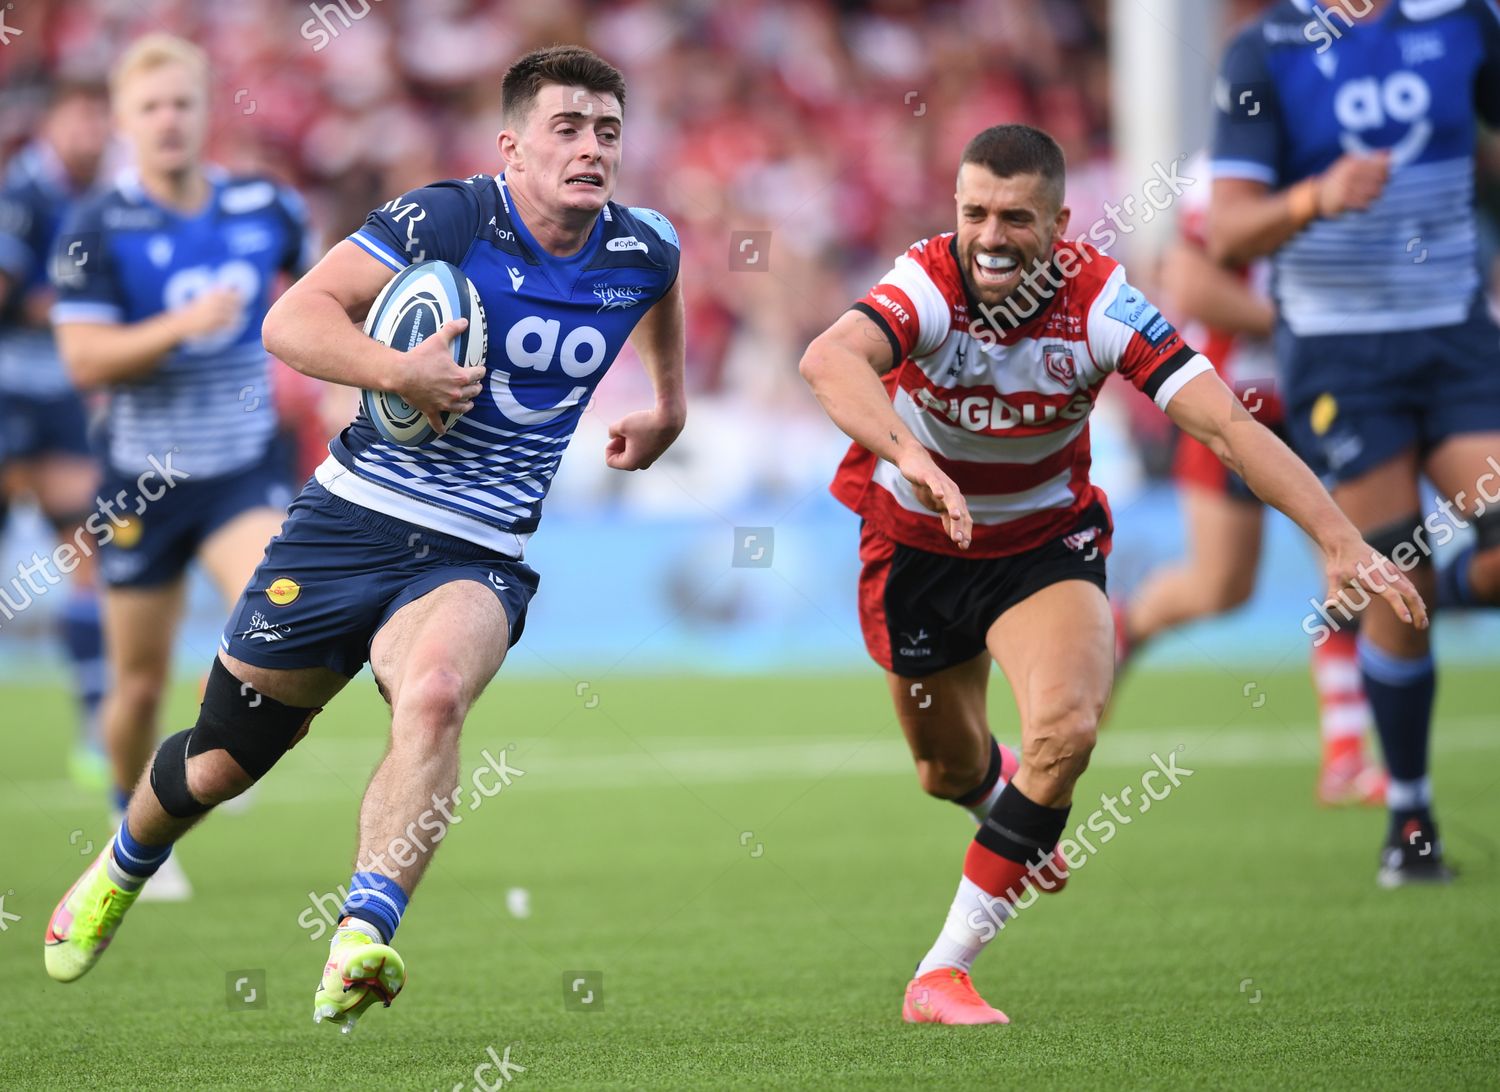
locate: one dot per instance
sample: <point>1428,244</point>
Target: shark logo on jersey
<point>1368,104</point>
<point>1420,47</point>
<point>612,298</point>
<point>248,239</point>
<point>262,628</point>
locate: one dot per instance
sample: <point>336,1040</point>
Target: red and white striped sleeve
<point>1128,334</point>
<point>909,306</point>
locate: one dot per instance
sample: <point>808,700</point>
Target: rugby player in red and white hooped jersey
<point>982,535</point>
<point>1231,316</point>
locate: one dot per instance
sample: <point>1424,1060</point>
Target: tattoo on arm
<point>895,439</point>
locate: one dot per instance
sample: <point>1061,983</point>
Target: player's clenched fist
<point>939,493</point>
<point>638,439</point>
<point>1353,183</point>
<point>430,380</point>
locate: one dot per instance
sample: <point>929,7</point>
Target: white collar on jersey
<point>128,181</point>
<point>1416,10</point>
<point>504,192</point>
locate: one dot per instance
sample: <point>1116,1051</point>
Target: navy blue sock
<point>1453,588</point>
<point>85,644</point>
<point>135,860</point>
<point>122,799</point>
<point>378,900</point>
<point>1400,692</point>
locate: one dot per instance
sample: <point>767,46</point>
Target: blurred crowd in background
<point>835,127</point>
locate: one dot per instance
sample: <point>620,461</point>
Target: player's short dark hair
<point>70,88</point>
<point>569,65</point>
<point>1008,150</point>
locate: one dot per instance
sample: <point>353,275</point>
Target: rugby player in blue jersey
<point>410,558</point>
<point>44,445</point>
<point>1345,146</point>
<point>162,281</point>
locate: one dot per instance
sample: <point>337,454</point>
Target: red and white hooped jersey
<point>1005,414</point>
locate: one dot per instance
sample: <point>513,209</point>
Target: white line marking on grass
<point>668,760</point>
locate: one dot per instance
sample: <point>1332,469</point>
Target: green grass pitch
<point>748,867</point>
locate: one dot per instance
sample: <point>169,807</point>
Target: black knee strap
<point>1487,529</point>
<point>1386,539</point>
<point>254,728</point>
<point>169,777</point>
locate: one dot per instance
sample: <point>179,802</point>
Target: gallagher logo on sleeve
<point>1133,309</point>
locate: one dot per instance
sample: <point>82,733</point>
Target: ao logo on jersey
<point>1369,104</point>
<point>537,344</point>
<point>186,285</point>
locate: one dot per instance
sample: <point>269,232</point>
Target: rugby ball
<point>411,308</point>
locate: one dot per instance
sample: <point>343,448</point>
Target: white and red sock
<point>1344,715</point>
<point>995,879</point>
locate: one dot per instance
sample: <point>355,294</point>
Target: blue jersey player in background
<point>411,558</point>
<point>1345,147</point>
<point>44,444</point>
<point>162,282</point>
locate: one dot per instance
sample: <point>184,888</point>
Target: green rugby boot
<point>359,972</point>
<point>85,922</point>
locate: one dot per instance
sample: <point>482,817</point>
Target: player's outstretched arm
<point>638,439</point>
<point>312,327</point>
<point>1247,220</point>
<point>843,366</point>
<point>1208,411</point>
<point>100,353</point>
